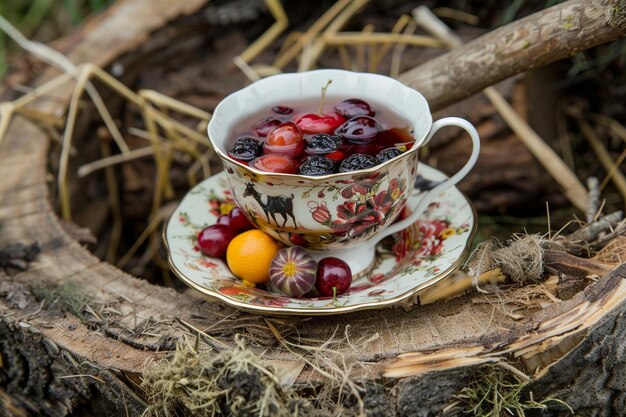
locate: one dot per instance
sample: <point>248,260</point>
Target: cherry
<point>276,163</point>
<point>213,240</point>
<point>360,130</point>
<point>312,123</point>
<point>238,220</point>
<point>336,156</point>
<point>282,110</point>
<point>264,126</point>
<point>223,219</point>
<point>333,277</point>
<point>354,107</point>
<point>285,140</point>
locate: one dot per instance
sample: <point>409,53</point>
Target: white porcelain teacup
<point>344,214</point>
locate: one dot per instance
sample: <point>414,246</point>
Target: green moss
<point>69,297</point>
<point>494,393</point>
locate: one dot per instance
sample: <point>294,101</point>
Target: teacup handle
<point>453,180</point>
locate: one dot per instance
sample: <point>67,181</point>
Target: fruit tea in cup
<point>306,138</point>
<point>347,211</point>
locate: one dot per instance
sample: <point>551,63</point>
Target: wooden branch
<point>537,40</point>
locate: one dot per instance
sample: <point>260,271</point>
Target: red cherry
<point>354,107</point>
<point>276,163</point>
<point>223,219</point>
<point>238,220</point>
<point>285,140</point>
<point>319,123</point>
<point>298,240</point>
<point>333,277</point>
<point>336,156</point>
<point>214,240</point>
<point>264,126</point>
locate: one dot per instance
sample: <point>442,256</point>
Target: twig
<point>114,201</point>
<point>335,26</point>
<point>359,38</point>
<point>285,58</point>
<point>278,13</point>
<point>572,187</point>
<point>396,57</point>
<point>603,155</point>
<point>594,199</point>
<point>87,169</point>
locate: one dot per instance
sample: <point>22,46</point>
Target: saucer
<point>406,263</point>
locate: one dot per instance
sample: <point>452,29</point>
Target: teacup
<point>344,214</point>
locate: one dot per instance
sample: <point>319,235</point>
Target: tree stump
<point>52,361</point>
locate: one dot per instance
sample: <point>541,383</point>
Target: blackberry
<point>323,143</point>
<point>246,148</point>
<point>356,162</point>
<point>387,154</point>
<point>317,165</point>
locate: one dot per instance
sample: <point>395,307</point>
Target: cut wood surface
<point>51,361</point>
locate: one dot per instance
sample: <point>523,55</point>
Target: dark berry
<point>246,148</point>
<point>317,165</point>
<point>323,143</point>
<point>264,126</point>
<point>334,277</point>
<point>356,162</point>
<point>238,220</point>
<point>282,110</point>
<point>354,107</point>
<point>214,240</point>
<point>387,154</point>
<point>360,130</point>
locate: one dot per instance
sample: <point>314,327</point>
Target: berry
<point>264,126</point>
<point>323,144</point>
<point>354,107</point>
<point>276,163</point>
<point>246,148</point>
<point>356,162</point>
<point>293,271</point>
<point>317,165</point>
<point>333,277</point>
<point>312,123</point>
<point>360,130</point>
<point>223,219</point>
<point>214,240</point>
<point>238,220</point>
<point>285,140</point>
<point>387,154</point>
<point>282,110</point>
<point>250,255</point>
<point>336,156</point>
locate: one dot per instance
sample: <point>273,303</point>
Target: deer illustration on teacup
<point>273,204</point>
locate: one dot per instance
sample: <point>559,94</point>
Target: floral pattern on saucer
<point>406,262</point>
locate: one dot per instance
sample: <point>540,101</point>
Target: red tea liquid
<point>396,132</point>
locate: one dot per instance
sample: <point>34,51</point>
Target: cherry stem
<point>334,294</point>
<point>324,96</point>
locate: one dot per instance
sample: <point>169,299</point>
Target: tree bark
<point>534,41</point>
<point>53,359</point>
